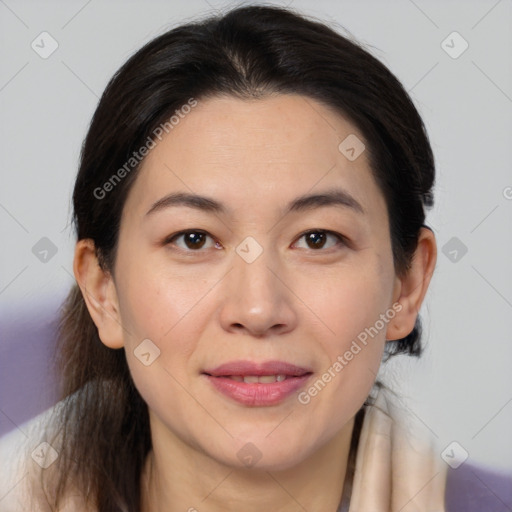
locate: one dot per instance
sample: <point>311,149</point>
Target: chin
<point>263,454</point>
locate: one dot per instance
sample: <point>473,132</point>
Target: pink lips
<point>291,378</point>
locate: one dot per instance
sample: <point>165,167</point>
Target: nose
<point>257,300</point>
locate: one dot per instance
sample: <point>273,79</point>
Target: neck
<point>179,478</point>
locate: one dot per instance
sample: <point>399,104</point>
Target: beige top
<point>397,470</point>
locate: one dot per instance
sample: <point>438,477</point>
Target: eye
<point>320,239</point>
<point>193,240</point>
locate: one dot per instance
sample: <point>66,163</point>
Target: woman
<point>250,211</point>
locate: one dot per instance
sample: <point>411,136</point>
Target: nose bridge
<point>256,300</point>
<point>254,281</point>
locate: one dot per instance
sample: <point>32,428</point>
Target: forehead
<point>267,150</point>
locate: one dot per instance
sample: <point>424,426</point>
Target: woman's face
<point>248,287</point>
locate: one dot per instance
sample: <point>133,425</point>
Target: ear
<point>99,292</point>
<point>410,289</point>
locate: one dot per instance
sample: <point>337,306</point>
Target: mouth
<point>251,379</point>
<point>258,384</point>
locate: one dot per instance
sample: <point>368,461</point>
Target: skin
<point>293,303</point>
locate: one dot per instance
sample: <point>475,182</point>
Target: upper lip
<point>245,368</point>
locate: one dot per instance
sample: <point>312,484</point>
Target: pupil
<point>316,240</point>
<point>194,240</point>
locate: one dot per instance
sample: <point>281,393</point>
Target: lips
<point>263,379</point>
<point>258,384</point>
<point>249,368</point>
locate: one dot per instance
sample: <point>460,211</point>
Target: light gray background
<point>462,388</point>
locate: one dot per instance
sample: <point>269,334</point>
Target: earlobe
<point>413,286</point>
<point>99,292</point>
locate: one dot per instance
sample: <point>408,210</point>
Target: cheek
<point>353,306</point>
<point>162,309</point>
<point>154,302</point>
<point>349,300</point>
<point>350,308</point>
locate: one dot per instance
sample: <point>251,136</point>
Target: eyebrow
<point>332,197</point>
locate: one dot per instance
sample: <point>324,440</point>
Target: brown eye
<point>315,240</point>
<point>193,240</point>
<point>319,239</point>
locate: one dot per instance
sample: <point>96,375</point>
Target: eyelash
<point>341,239</point>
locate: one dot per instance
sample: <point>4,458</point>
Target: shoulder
<point>395,458</point>
<point>470,488</point>
<point>23,453</point>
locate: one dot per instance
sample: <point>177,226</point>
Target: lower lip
<point>256,394</point>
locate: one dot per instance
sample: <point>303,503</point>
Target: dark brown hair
<point>249,52</point>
